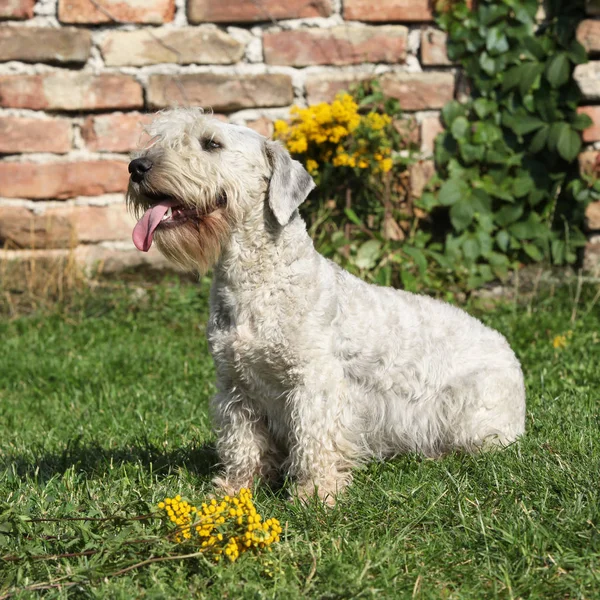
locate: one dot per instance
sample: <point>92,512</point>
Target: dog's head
<point>200,179</point>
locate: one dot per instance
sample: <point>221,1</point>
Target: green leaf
<point>511,78</point>
<point>539,140</point>
<point>460,127</point>
<point>496,41</point>
<point>522,125</point>
<point>522,185</point>
<point>568,143</point>
<point>487,63</point>
<point>367,255</point>
<point>529,73</point>
<point>581,121</point>
<point>503,239</point>
<point>508,214</point>
<point>461,214</point>
<point>451,111</point>
<point>418,256</point>
<point>352,216</point>
<point>471,153</point>
<point>558,70</point>
<point>452,191</point>
<point>533,252</point>
<point>577,53</point>
<point>470,248</point>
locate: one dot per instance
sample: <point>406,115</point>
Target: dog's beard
<point>196,244</point>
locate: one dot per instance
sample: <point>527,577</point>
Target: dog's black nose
<point>138,168</point>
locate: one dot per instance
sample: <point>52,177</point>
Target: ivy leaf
<point>522,185</point>
<point>577,53</point>
<point>529,72</point>
<point>511,78</point>
<point>461,214</point>
<point>452,191</point>
<point>581,121</point>
<point>508,214</point>
<point>569,143</point>
<point>471,153</point>
<point>522,125</point>
<point>539,140</point>
<point>496,41</point>
<point>451,111</point>
<point>487,63</point>
<point>558,70</point>
<point>460,127</point>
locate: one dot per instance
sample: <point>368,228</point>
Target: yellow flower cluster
<point>319,124</point>
<point>336,133</point>
<point>227,527</point>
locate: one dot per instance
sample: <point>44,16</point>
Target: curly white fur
<point>318,371</point>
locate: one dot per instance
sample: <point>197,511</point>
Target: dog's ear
<point>289,185</point>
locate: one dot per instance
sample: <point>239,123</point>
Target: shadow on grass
<point>93,459</point>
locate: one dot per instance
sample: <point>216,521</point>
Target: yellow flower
<point>240,527</point>
<point>312,166</point>
<point>561,341</point>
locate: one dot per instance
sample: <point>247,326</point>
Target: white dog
<point>317,371</point>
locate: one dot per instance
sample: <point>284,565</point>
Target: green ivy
<point>507,180</point>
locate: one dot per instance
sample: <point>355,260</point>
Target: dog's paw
<point>324,492</point>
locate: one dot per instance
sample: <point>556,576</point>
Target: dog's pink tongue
<point>143,232</point>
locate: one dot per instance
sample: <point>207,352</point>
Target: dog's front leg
<point>320,458</point>
<point>245,447</point>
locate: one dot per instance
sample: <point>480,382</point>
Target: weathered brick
<point>220,92</point>
<point>324,87</point>
<point>45,44</point>
<point>62,180</point>
<point>588,35</point>
<point>433,47</point>
<point>430,128</point>
<point>18,134</point>
<point>22,228</point>
<point>591,256</point>
<point>589,163</point>
<point>183,46</point>
<point>117,132</point>
<point>107,11</point>
<point>415,91</point>
<point>420,173</point>
<point>65,90</point>
<point>409,130</point>
<point>241,11</point>
<point>592,216</point>
<point>587,77</point>
<point>16,9</point>
<point>419,91</point>
<point>92,224</point>
<point>388,10</point>
<point>592,133</point>
<point>262,125</point>
<point>336,46</point>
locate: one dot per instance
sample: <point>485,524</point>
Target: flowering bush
<point>227,527</point>
<point>336,134</point>
<point>358,148</point>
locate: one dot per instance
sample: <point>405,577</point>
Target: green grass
<point>103,411</point>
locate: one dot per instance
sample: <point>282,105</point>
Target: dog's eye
<point>208,144</point>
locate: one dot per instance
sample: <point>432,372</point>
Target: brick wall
<point>77,78</point>
<point>588,77</point>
